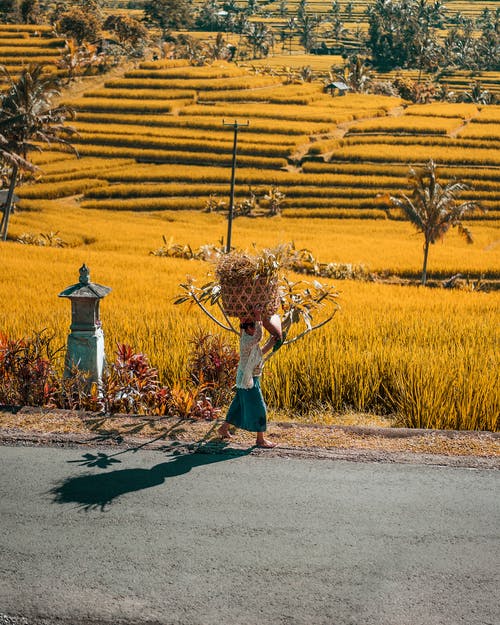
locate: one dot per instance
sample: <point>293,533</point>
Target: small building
<point>337,88</point>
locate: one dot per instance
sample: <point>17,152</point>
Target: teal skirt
<point>248,410</point>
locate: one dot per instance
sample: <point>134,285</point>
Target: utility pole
<point>235,127</point>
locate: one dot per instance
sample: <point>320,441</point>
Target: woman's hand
<point>257,313</point>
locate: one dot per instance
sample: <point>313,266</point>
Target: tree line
<point>417,34</point>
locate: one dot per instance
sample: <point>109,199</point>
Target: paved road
<point>244,540</point>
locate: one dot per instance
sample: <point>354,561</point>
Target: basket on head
<point>243,288</point>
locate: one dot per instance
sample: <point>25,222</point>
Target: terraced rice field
<point>23,44</point>
<point>333,157</point>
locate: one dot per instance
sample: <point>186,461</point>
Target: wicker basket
<point>238,299</point>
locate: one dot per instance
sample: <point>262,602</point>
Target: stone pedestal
<point>86,340</point>
<point>86,352</point>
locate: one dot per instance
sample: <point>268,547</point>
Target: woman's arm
<point>269,344</point>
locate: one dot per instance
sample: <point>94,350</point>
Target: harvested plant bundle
<point>248,281</point>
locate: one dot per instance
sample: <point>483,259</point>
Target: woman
<point>248,410</point>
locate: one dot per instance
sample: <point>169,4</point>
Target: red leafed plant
<point>213,362</point>
<point>27,371</point>
<point>130,384</point>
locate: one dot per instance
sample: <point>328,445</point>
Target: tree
<point>80,25</point>
<point>132,35</point>
<point>260,37</point>
<point>307,27</point>
<point>10,11</point>
<point>209,16</point>
<point>395,29</point>
<point>488,44</point>
<point>27,121</point>
<point>433,207</point>
<point>30,11</point>
<point>168,14</point>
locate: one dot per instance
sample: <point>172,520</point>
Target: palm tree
<point>433,207</point>
<point>260,37</point>
<point>27,121</point>
<point>307,27</point>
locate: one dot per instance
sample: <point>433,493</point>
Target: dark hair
<point>247,324</point>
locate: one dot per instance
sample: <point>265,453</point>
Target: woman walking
<point>248,410</point>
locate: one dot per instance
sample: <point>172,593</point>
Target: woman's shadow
<point>98,491</point>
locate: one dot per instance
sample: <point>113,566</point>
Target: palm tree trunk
<point>4,226</point>
<point>424,268</point>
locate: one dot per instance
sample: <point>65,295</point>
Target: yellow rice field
<point>429,355</point>
<point>388,341</point>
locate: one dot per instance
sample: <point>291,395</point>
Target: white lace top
<point>250,363</point>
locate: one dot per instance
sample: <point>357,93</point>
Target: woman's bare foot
<point>264,443</point>
<point>223,431</point>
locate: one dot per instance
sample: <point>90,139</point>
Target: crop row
<point>147,204</point>
<point>256,96</point>
<point>443,109</point>
<point>203,123</point>
<point>199,84</point>
<point>220,134</point>
<point>53,190</point>
<point>409,124</point>
<point>142,94</point>
<point>29,52</point>
<point>430,140</point>
<point>482,131</point>
<point>188,72</point>
<point>290,112</point>
<point>395,169</point>
<point>123,105</point>
<point>193,189</point>
<point>165,156</point>
<point>182,144</point>
<point>358,180</point>
<point>380,152</point>
<point>488,115</point>
<point>193,174</point>
<point>334,213</point>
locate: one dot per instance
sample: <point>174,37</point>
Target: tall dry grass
<point>428,356</point>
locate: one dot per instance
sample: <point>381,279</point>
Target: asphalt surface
<point>237,539</point>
